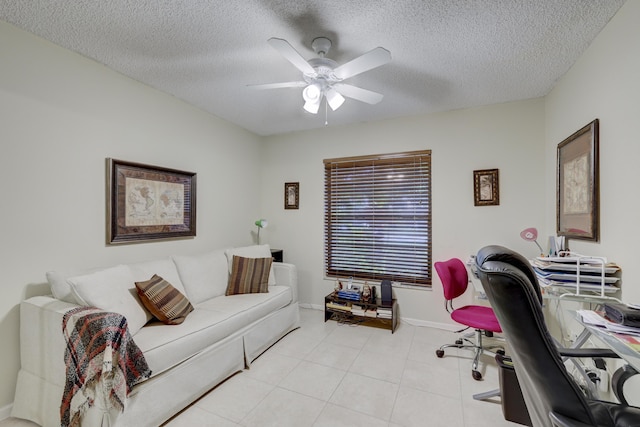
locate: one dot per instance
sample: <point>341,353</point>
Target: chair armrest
<point>561,421</point>
<point>587,352</point>
<point>42,343</point>
<point>287,275</point>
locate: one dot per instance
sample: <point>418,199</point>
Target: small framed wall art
<point>577,205</point>
<point>291,195</point>
<point>146,203</point>
<point>486,187</point>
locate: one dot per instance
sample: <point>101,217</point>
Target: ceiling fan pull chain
<point>326,120</point>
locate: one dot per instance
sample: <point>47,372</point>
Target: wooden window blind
<point>378,217</point>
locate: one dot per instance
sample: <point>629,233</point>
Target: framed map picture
<point>577,207</point>
<point>149,203</point>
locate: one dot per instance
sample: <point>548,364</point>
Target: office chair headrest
<point>505,255</point>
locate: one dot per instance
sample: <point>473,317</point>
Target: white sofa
<point>221,336</point>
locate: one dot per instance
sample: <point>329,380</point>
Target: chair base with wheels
<point>476,346</point>
<point>454,278</point>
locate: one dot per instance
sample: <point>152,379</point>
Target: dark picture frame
<point>146,203</point>
<point>291,195</point>
<point>577,184</point>
<point>486,187</point>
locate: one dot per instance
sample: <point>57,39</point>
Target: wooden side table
<point>340,308</point>
<point>277,255</point>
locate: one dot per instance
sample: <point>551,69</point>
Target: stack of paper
<point>593,274</point>
<point>593,318</point>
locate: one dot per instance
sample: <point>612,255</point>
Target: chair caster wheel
<point>458,342</point>
<point>476,375</point>
<point>500,352</point>
<point>440,353</point>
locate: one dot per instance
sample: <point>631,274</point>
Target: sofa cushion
<point>60,288</point>
<point>164,346</point>
<point>250,307</point>
<point>112,289</point>
<point>249,275</point>
<point>255,251</point>
<point>164,267</point>
<point>204,276</point>
<point>165,302</point>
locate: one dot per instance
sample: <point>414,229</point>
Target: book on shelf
<point>357,310</point>
<point>371,313</point>
<point>338,306</point>
<point>350,294</point>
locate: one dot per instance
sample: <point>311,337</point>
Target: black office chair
<point>550,393</point>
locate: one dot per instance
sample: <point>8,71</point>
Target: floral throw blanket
<point>100,353</point>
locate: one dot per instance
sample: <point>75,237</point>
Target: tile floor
<point>329,374</point>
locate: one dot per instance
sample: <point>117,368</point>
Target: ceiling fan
<point>323,77</point>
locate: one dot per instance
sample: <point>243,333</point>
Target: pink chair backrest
<point>454,278</point>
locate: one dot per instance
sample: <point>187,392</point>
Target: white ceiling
<point>447,54</point>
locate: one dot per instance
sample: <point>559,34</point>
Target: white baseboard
<point>311,306</point>
<point>5,412</point>
<point>408,321</point>
<point>430,324</point>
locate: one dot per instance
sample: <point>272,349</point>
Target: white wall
<point>509,137</point>
<point>61,115</point>
<point>605,84</point>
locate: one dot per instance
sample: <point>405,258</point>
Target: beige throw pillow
<point>249,275</point>
<point>164,301</point>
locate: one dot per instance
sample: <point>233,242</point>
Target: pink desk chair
<point>454,278</point>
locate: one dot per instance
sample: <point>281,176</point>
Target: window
<point>378,217</point>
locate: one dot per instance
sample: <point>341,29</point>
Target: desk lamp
<point>261,223</point>
<point>530,235</point>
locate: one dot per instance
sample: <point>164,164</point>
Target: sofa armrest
<point>287,275</point>
<point>42,343</point>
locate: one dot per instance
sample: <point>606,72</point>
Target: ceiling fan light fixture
<point>334,99</point>
<point>312,93</point>
<point>312,106</point>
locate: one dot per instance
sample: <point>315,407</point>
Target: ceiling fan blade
<point>372,59</point>
<point>291,55</point>
<point>277,85</point>
<point>358,93</point>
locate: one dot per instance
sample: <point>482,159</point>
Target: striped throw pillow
<point>249,275</point>
<point>164,301</point>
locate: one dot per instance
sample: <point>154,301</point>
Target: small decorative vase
<point>366,292</point>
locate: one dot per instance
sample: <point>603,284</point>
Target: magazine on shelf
<point>545,264</point>
<point>591,287</point>
<point>564,277</point>
<point>573,259</point>
<point>609,268</point>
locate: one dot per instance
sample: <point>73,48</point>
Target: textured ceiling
<point>447,54</point>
